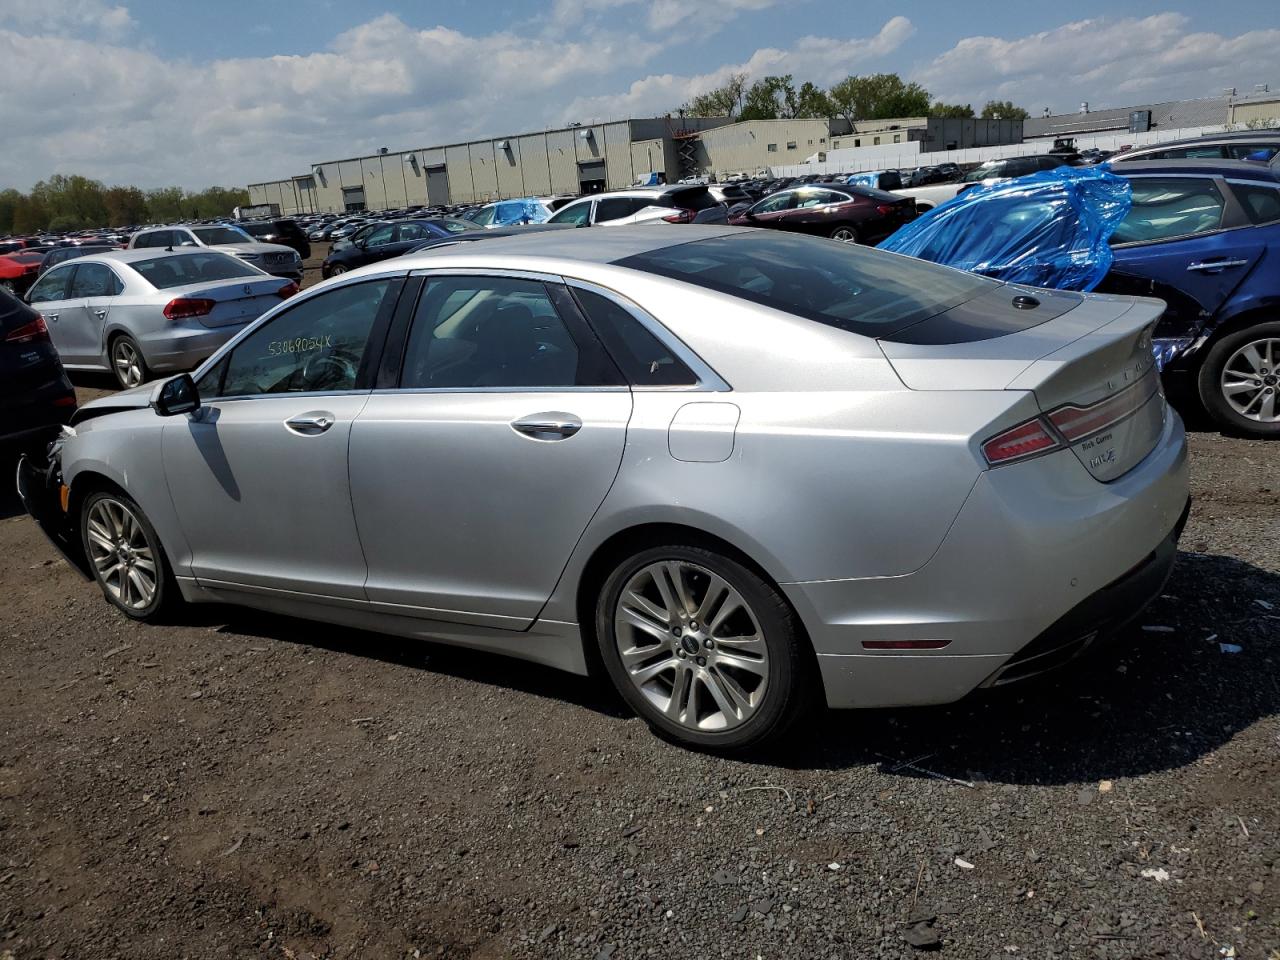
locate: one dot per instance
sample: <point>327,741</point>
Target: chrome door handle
<point>548,426</point>
<point>51,316</point>
<point>1209,266</point>
<point>100,314</point>
<point>310,424</point>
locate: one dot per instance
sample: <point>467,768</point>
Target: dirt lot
<point>244,786</point>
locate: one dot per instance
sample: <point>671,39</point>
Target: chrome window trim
<point>708,380</point>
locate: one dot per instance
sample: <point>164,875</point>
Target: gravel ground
<point>245,786</point>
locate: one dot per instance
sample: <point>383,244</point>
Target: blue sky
<point>180,91</point>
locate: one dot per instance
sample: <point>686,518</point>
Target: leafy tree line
<point>876,96</point>
<point>78,203</point>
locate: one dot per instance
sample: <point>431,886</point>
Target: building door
<point>437,185</point>
<point>591,176</point>
<point>353,198</point>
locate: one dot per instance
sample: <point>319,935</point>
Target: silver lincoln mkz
<point>745,468</point>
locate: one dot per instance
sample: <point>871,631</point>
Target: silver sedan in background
<point>748,471</point>
<point>138,312</point>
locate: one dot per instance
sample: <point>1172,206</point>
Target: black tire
<point>846,234</point>
<point>1209,381</point>
<point>166,597</point>
<point>337,270</point>
<point>123,345</point>
<point>791,681</point>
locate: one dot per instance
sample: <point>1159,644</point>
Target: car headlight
<point>247,256</point>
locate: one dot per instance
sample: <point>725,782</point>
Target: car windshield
<point>457,226</point>
<point>842,285</point>
<point>217,236</point>
<point>984,172</point>
<point>182,269</point>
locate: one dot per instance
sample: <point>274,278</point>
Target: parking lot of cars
<point>648,437</point>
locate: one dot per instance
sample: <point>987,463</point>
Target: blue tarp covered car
<point>1049,229</point>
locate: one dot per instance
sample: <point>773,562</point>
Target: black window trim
<point>369,362</point>
<point>397,340</point>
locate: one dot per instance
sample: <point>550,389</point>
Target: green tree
<point>164,204</point>
<point>73,201</point>
<point>9,200</point>
<point>878,96</point>
<point>773,98</point>
<point>962,111</point>
<point>812,102</point>
<point>29,215</point>
<point>124,206</point>
<point>1003,110</point>
<point>723,101</point>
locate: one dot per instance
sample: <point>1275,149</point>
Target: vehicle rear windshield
<point>695,198</point>
<point>182,269</point>
<point>215,236</point>
<point>840,284</point>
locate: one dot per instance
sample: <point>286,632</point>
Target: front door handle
<point>310,424</point>
<point>548,426</point>
<point>1212,266</point>
<point>100,314</point>
<point>51,316</point>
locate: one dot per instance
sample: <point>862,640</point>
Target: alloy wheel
<point>844,235</point>
<point>691,645</point>
<point>127,363</point>
<point>1250,381</point>
<point>120,554</point>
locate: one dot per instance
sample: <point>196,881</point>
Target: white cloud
<point>822,60</point>
<point>66,16</point>
<point>1107,62</point>
<point>661,15</point>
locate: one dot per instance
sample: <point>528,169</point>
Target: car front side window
<point>318,345</point>
<point>575,213</point>
<point>52,286</point>
<point>380,236</point>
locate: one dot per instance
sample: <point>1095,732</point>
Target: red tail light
<point>183,307</point>
<point>1023,440</point>
<point>33,332</point>
<point>680,216</point>
<point>287,291</point>
<point>884,209</point>
<point>1076,423</point>
<point>68,401</point>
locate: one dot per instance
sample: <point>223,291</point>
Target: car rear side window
<point>1262,202</point>
<point>168,271</point>
<point>615,208</point>
<point>642,357</point>
<point>840,284</point>
<point>496,332</point>
<point>1165,208</point>
<point>316,346</point>
<point>576,213</point>
<point>94,280</point>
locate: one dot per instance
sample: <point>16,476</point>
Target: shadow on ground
<point>1149,701</point>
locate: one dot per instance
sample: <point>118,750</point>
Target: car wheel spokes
<point>1250,383</point>
<point>120,553</point>
<point>128,367</point>
<point>691,645</point>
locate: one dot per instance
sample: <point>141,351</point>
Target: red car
<point>18,271</point>
<point>835,210</point>
<point>13,245</point>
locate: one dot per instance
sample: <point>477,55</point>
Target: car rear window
<point>695,198</point>
<point>839,284</point>
<point>182,269</point>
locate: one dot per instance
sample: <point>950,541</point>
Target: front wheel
<point>703,648</point>
<point>127,362</point>
<point>1239,381</point>
<point>127,560</point>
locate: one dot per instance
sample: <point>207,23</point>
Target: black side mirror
<point>175,396</point>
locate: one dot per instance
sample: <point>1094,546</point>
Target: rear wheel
<point>127,362</point>
<point>845,234</point>
<point>127,560</point>
<point>1239,381</point>
<point>703,648</point>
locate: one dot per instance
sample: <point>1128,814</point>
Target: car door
<point>377,244</point>
<point>258,476</point>
<point>578,214</point>
<point>83,319</point>
<point>1186,241</point>
<point>773,209</point>
<point>474,474</point>
<point>407,236</point>
<point>815,211</point>
<point>50,296</point>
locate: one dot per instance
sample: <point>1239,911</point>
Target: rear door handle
<point>1210,266</point>
<point>310,424</point>
<point>548,426</point>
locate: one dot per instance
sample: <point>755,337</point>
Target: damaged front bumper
<point>45,499</point>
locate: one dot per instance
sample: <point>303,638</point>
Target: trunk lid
<point>235,301</point>
<point>1089,366</point>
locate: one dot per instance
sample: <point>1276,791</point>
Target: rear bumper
<point>1039,549</point>
<point>186,347</point>
<point>35,417</point>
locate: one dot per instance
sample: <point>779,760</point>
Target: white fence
<point>908,155</point>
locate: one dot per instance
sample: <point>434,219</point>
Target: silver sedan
<point>139,312</point>
<point>746,471</point>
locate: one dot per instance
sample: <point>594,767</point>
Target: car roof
<point>1247,136</point>
<point>1236,169</point>
<point>590,244</point>
<point>150,253</point>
